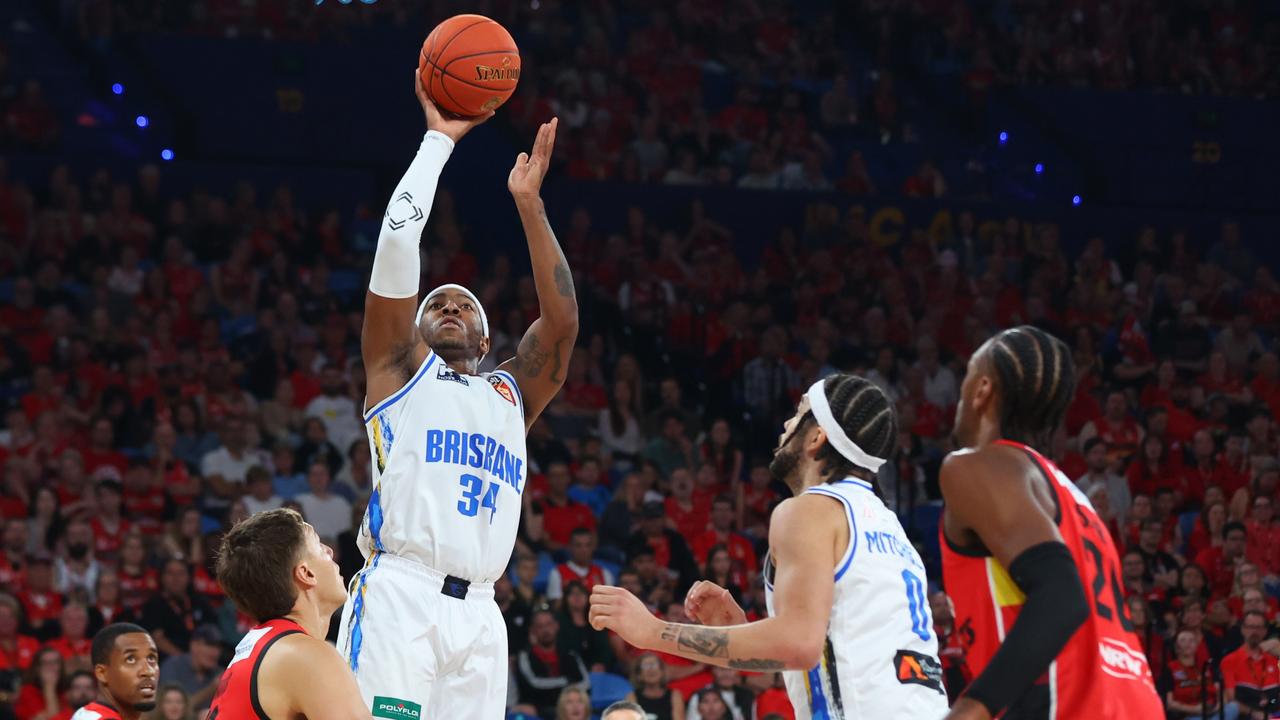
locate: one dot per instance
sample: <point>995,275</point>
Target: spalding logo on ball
<point>469,65</point>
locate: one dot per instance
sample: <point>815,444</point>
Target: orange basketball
<point>469,65</point>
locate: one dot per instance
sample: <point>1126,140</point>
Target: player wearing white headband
<point>849,624</point>
<point>420,629</point>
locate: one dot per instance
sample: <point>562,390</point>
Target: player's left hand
<point>616,609</point>
<point>526,176</point>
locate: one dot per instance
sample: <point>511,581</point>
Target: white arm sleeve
<point>396,262</point>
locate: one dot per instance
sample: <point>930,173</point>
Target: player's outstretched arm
<point>991,495</point>
<point>306,677</point>
<point>389,340</point>
<point>802,538</point>
<point>543,354</point>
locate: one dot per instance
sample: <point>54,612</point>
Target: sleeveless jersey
<point>1102,671</point>
<point>96,711</point>
<point>594,576</point>
<point>237,697</point>
<point>880,659</point>
<point>449,467</point>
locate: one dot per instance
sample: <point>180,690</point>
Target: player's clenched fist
<point>710,604</point>
<point>616,609</point>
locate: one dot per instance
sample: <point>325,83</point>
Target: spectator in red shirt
<point>1219,563</point>
<point>101,450</point>
<point>72,481</point>
<point>16,650</point>
<point>1219,379</point>
<point>1263,547</point>
<point>13,551</point>
<point>1266,384</point>
<point>40,601</point>
<point>670,551</point>
<point>138,581</point>
<point>107,606</point>
<point>41,695</point>
<point>755,502</point>
<point>579,567</point>
<point>109,528</point>
<point>689,514</point>
<point>560,515</point>
<point>1207,532</point>
<point>1152,470</point>
<point>721,532</point>
<point>1250,676</point>
<point>1120,431</point>
<point>74,644</point>
<point>1188,690</point>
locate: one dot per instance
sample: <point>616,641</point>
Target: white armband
<point>396,263</point>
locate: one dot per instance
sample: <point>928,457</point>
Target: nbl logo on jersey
<point>503,388</point>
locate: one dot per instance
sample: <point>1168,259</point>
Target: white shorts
<point>419,654</point>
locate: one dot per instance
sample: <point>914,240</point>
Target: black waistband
<point>455,587</point>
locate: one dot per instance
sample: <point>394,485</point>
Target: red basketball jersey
<point>594,576</point>
<point>96,711</point>
<point>237,697</point>
<point>1102,671</point>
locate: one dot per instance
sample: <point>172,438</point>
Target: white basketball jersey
<point>881,654</point>
<point>449,468</point>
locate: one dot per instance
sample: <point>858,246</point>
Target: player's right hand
<point>712,605</point>
<point>450,126</point>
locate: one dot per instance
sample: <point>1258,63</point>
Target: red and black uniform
<point>237,697</point>
<point>1189,685</point>
<point>1102,671</point>
<point>594,576</point>
<point>96,711</point>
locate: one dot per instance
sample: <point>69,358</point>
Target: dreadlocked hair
<point>866,416</point>
<point>1037,380</point>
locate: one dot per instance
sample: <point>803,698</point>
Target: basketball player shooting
<point>848,621</point>
<point>1028,563</point>
<point>420,629</point>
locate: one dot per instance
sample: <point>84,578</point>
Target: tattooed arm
<point>543,354</point>
<point>808,534</point>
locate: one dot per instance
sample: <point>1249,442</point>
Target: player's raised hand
<point>616,609</point>
<point>712,605</point>
<point>526,175</point>
<point>452,127</point>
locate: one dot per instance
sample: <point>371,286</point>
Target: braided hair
<point>1037,380</point>
<point>866,415</point>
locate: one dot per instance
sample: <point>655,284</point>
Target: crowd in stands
<point>172,362</point>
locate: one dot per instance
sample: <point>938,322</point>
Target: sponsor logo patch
<point>915,668</point>
<point>503,388</point>
<point>396,709</point>
<point>447,373</point>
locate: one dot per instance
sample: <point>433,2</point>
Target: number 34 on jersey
<point>492,463</point>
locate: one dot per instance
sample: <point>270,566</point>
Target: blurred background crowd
<point>180,348</point>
